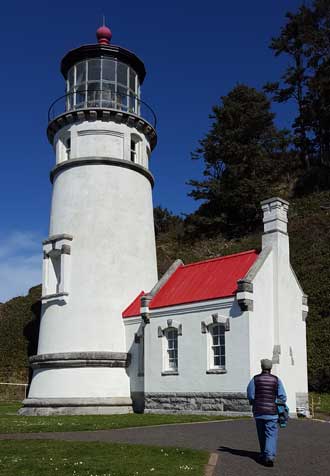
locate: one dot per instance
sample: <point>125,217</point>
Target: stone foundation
<point>75,406</point>
<point>206,402</point>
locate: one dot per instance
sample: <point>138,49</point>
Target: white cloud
<point>20,263</point>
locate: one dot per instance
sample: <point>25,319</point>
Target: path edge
<point>209,469</point>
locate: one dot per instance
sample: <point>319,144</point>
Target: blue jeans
<point>267,435</point>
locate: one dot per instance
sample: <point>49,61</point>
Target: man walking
<point>263,391</point>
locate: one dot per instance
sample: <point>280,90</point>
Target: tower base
<point>76,406</point>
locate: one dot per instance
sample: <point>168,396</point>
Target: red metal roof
<point>211,279</point>
<point>134,308</point>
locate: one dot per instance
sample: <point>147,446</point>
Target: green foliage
<point>35,458</point>
<point>245,157</point>
<point>321,402</point>
<point>165,221</point>
<point>305,40</point>
<point>19,328</point>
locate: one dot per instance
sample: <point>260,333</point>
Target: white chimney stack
<point>275,215</point>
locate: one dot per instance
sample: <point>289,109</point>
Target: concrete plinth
<point>76,406</point>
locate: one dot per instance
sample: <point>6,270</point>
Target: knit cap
<point>266,364</point>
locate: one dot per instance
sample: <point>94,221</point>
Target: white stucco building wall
<point>266,319</point>
<point>101,246</point>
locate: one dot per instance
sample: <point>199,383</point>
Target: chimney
<point>275,219</point>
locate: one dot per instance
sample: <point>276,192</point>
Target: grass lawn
<point>10,422</point>
<point>49,458</point>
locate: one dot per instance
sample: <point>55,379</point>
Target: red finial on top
<point>103,35</point>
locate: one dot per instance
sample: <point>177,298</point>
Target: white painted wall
<point>193,349</point>
<point>289,329</point>
<point>262,317</point>
<point>132,326</point>
<point>108,210</point>
<point>277,319</point>
<point>102,139</point>
<point>86,382</point>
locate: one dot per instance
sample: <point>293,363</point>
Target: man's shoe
<point>269,463</point>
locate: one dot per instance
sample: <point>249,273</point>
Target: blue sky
<point>194,52</point>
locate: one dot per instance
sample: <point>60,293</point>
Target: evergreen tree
<point>244,156</point>
<point>305,39</point>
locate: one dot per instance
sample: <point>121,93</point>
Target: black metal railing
<point>103,99</point>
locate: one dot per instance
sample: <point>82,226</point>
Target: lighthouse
<point>100,252</point>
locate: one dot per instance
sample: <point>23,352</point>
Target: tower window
<point>68,147</point>
<point>133,150</point>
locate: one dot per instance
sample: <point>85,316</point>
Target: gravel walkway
<point>304,446</point>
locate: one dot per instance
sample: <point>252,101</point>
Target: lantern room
<point>103,76</point>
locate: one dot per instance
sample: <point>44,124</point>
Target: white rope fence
<point>17,384</point>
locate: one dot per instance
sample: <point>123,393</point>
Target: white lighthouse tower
<point>101,250</point>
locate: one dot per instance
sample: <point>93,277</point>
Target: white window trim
<point>136,139</point>
<point>162,331</point>
<point>206,327</point>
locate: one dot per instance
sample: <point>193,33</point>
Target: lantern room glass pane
<point>132,80</point>
<point>71,79</point>
<point>132,104</point>
<point>80,96</point>
<point>122,98</point>
<point>122,73</point>
<point>81,72</point>
<point>108,94</point>
<point>94,69</point>
<point>94,94</point>
<point>109,70</point>
<point>102,82</point>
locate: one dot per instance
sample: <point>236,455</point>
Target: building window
<point>133,150</point>
<point>215,327</point>
<point>217,347</point>
<point>171,350</point>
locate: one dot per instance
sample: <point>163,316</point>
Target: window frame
<point>170,350</point>
<point>206,328</point>
<point>121,102</point>
<point>163,333</point>
<point>219,346</point>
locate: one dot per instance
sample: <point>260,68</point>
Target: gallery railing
<point>103,99</point>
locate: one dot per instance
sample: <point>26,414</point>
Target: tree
<point>244,155</point>
<point>305,39</point>
<point>165,221</point>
